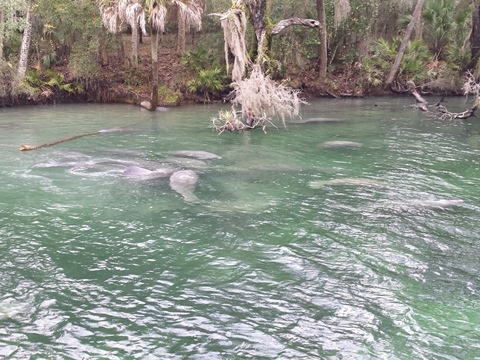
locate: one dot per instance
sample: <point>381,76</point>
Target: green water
<point>263,266</point>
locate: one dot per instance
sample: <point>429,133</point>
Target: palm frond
<point>158,17</point>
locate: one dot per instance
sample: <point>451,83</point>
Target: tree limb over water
<point>282,24</point>
<point>442,112</point>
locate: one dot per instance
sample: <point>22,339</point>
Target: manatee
<point>139,173</point>
<point>425,204</point>
<point>112,130</point>
<point>184,183</point>
<point>201,155</point>
<point>9,309</point>
<point>435,204</point>
<point>51,164</point>
<point>317,120</point>
<point>187,162</point>
<point>341,144</point>
<point>347,182</point>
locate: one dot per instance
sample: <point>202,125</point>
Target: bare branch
<point>282,24</point>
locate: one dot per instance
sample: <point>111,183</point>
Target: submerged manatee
<point>184,183</point>
<point>410,205</point>
<point>341,144</point>
<point>139,173</point>
<point>317,120</point>
<point>347,182</point>
<point>112,130</point>
<point>201,155</point>
<point>187,162</point>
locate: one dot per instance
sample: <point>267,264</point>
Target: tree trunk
<point>475,35</point>
<point>322,34</point>
<point>419,27</point>
<point>134,44</point>
<point>258,14</point>
<point>102,51</point>
<point>403,46</point>
<point>154,49</point>
<point>27,34</point>
<point>181,32</point>
<point>2,29</point>
<point>121,48</point>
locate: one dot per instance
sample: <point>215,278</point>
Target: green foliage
<point>412,67</point>
<point>199,59</point>
<point>7,75</point>
<point>209,76</point>
<point>11,46</point>
<point>167,96</point>
<point>206,82</point>
<point>13,24</point>
<point>353,30</point>
<point>50,80</point>
<point>132,78</point>
<point>446,25</point>
<point>48,60</point>
<point>67,32</point>
<point>294,46</point>
<point>82,60</point>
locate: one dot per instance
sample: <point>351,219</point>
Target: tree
<point>475,35</point>
<point>158,14</point>
<point>259,97</point>
<point>322,34</point>
<point>403,46</point>
<point>2,31</point>
<point>130,11</point>
<point>27,35</point>
<point>189,15</point>
<point>9,23</point>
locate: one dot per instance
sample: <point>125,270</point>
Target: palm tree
<point>130,11</point>
<point>189,15</point>
<point>157,18</point>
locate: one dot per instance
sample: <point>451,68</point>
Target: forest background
<point>89,51</point>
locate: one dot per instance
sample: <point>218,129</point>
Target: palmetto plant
<point>445,25</point>
<point>207,82</point>
<point>383,53</point>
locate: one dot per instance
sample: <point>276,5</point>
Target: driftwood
<point>442,111</point>
<point>58,141</point>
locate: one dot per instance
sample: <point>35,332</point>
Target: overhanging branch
<point>282,24</point>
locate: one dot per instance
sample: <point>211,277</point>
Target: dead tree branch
<point>443,112</point>
<point>282,24</point>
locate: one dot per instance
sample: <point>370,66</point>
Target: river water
<point>295,249</point>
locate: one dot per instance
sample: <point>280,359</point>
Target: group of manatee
<point>182,181</point>
<point>178,168</point>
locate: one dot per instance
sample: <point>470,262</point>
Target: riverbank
<point>119,82</point>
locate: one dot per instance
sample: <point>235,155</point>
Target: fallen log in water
<point>443,112</point>
<point>58,141</point>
